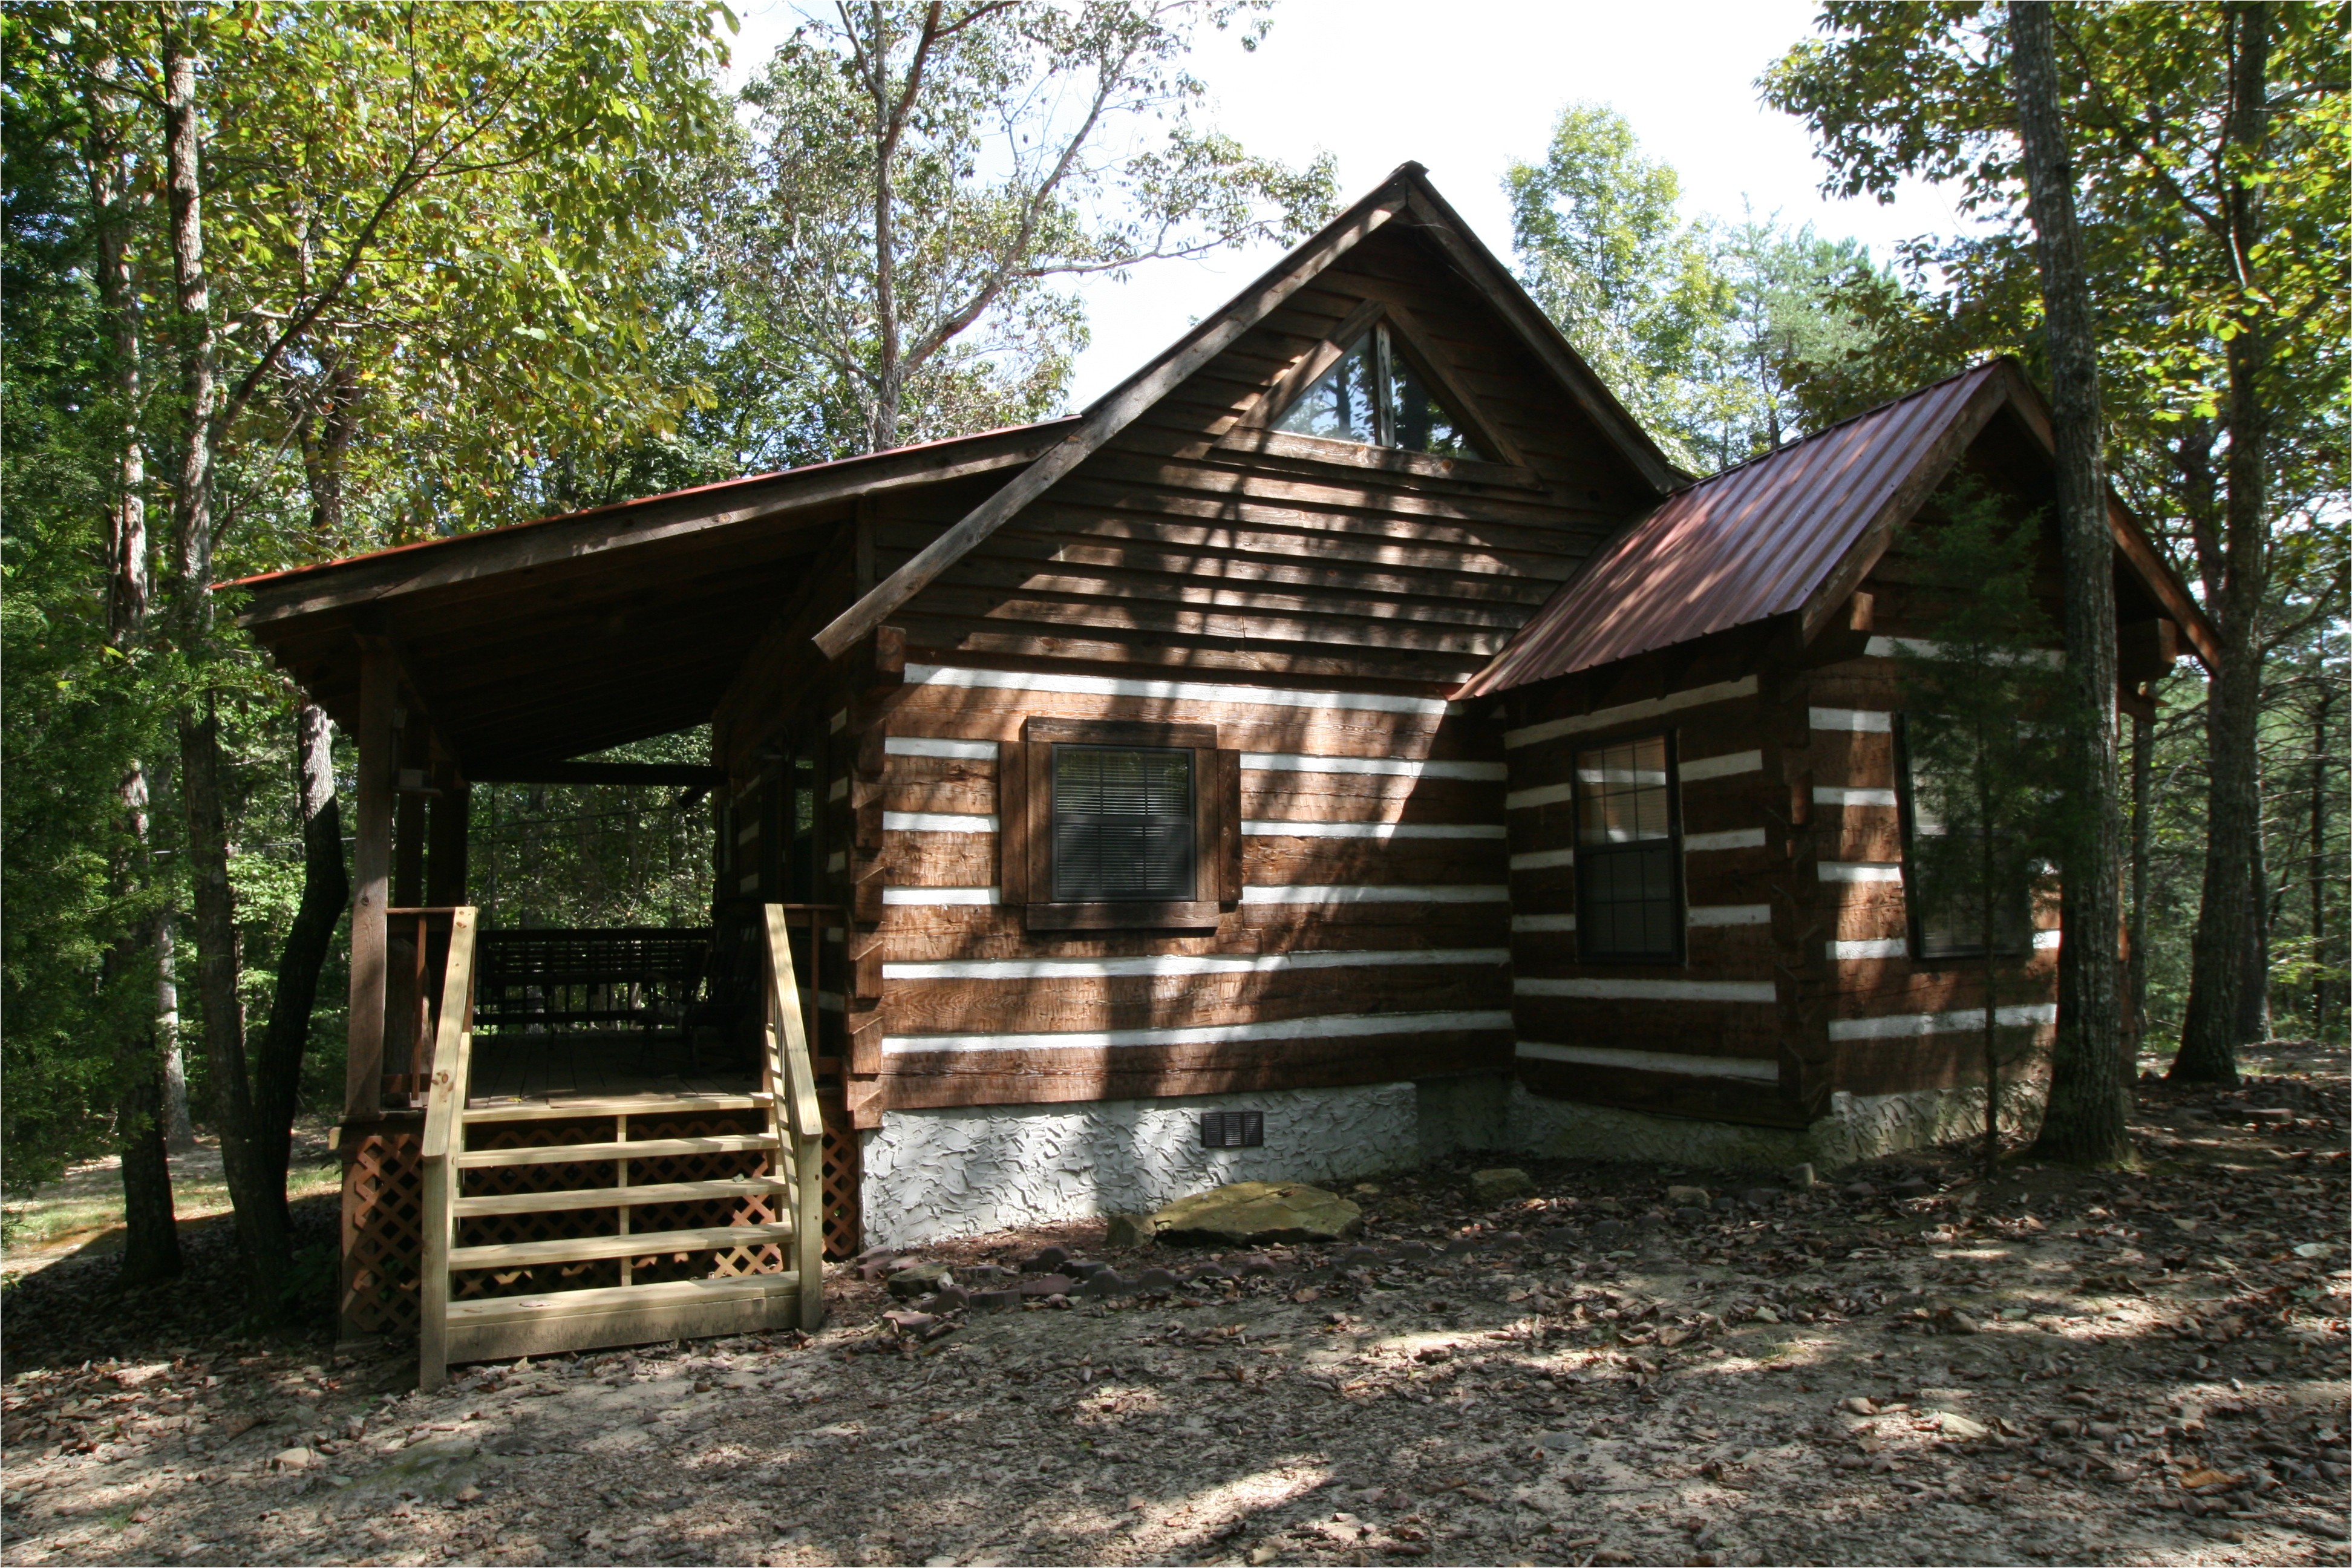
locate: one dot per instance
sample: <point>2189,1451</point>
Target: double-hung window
<point>1628,853</point>
<point>1105,823</point>
<point>1950,864</point>
<point>1123,824</point>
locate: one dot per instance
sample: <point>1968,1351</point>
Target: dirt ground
<point>1904,1365</point>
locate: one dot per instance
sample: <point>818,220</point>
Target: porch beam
<point>371,878</point>
<point>682,776</point>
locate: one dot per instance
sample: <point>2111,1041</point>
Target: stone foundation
<point>935,1173</point>
<point>930,1174</point>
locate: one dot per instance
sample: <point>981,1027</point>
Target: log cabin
<point>1348,740</point>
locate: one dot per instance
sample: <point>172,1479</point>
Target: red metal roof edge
<point>1500,675</point>
<point>740,482</point>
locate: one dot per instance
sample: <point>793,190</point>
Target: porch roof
<point>563,636</point>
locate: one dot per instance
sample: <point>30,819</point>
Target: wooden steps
<point>620,1197</point>
<point>777,1206</point>
<point>509,1326</point>
<point>639,1243</point>
<point>610,1105</point>
<point>626,1148</point>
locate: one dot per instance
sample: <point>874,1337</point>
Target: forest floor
<point>1905,1364</point>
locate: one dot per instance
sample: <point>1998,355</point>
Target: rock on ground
<point>1249,1213</point>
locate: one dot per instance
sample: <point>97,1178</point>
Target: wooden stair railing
<point>789,1144</point>
<point>791,1070</point>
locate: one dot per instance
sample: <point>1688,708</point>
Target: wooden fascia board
<point>1542,335</point>
<point>2147,564</point>
<point>543,544</point>
<point>1870,545</point>
<point>1113,414</point>
<point>2157,575</point>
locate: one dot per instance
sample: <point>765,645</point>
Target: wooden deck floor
<point>512,1067</point>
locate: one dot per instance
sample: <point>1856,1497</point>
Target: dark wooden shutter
<point>1221,835</point>
<point>1014,833</point>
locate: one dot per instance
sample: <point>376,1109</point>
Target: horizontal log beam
<point>684,775</point>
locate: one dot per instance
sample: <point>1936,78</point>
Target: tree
<point>1983,710</point>
<point>1604,250</point>
<point>87,925</point>
<point>1780,318</point>
<point>2088,1119</point>
<point>2210,146</point>
<point>475,177</point>
<point>921,174</point>
<point>1699,327</point>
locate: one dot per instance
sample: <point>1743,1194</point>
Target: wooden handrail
<point>792,1081</point>
<point>445,1097</point>
<point>444,1089</point>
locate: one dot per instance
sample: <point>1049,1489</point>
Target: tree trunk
<point>151,1233</point>
<point>184,141</point>
<point>150,1250</point>
<point>2142,770</point>
<point>150,1239</point>
<point>2318,871</point>
<point>2254,989</point>
<point>260,1210</point>
<point>259,1205</point>
<point>2086,1122</point>
<point>326,888</point>
<point>179,1131</point>
<point>1989,935</point>
<point>2214,1026</point>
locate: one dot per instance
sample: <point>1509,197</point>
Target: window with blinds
<point>1123,824</point>
<point>1629,889</point>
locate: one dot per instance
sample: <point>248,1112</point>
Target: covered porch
<point>555,1123</point>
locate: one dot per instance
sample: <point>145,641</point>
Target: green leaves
<point>1697,326</point>
<point>890,236</point>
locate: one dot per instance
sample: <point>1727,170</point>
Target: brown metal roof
<point>1738,547</point>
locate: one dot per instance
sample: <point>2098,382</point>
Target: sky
<point>1466,88</point>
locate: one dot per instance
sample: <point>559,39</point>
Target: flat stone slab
<point>1247,1213</point>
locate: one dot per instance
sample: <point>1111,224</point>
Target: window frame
<point>1678,949</point>
<point>1914,931</point>
<point>1026,827</point>
<point>1255,430</point>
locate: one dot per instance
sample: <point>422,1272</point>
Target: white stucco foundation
<point>931,1175</point>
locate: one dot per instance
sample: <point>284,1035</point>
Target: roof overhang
<point>1794,533</point>
<point>562,637</point>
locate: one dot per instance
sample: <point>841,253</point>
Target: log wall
<point>1799,978</point>
<point>1315,607</point>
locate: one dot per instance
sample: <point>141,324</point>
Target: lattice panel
<point>844,1222</point>
<point>384,1245</point>
<point>494,1230</point>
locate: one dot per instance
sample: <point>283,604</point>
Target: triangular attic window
<point>1373,394</point>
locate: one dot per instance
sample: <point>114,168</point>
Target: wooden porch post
<point>371,873</point>
<point>445,867</point>
<point>408,816</point>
